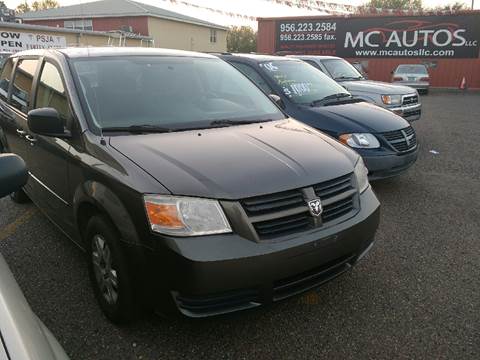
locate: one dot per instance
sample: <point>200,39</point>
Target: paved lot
<point>417,294</point>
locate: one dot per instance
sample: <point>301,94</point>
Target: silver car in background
<point>22,335</point>
<point>402,100</point>
<point>413,75</point>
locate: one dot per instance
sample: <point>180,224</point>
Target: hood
<point>356,117</point>
<point>376,87</point>
<point>239,161</point>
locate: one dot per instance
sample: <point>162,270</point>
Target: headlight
<point>392,99</point>
<point>185,216</point>
<point>365,141</point>
<point>361,173</point>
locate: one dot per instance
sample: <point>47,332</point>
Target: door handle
<point>21,132</point>
<point>31,139</point>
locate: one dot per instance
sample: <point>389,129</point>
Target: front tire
<point>108,270</point>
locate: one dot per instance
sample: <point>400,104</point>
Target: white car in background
<point>413,75</point>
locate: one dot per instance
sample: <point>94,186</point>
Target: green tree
<point>44,5</point>
<point>23,8</point>
<point>456,6</point>
<point>391,4</point>
<point>241,39</point>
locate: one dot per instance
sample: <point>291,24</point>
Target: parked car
<point>187,187</point>
<point>412,75</point>
<point>402,100</point>
<point>22,335</point>
<point>386,142</point>
<point>359,67</point>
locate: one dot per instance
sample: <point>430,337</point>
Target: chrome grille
<point>284,213</point>
<point>401,140</point>
<point>410,99</point>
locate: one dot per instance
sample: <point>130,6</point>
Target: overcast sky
<point>256,8</point>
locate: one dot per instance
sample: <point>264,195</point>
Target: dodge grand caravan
<point>187,187</point>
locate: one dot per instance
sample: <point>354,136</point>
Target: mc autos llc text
<point>454,36</point>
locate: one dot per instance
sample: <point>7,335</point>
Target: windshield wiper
<point>226,122</point>
<point>330,97</point>
<point>138,129</point>
<point>349,78</point>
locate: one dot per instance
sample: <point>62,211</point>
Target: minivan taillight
<point>396,78</point>
<point>425,79</point>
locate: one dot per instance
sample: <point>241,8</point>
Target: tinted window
<point>51,92</point>
<point>168,91</point>
<point>253,75</point>
<point>301,82</point>
<point>340,69</point>
<point>5,79</point>
<point>22,84</point>
<point>314,64</point>
<point>411,69</point>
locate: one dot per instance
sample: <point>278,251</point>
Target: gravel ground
<point>416,295</point>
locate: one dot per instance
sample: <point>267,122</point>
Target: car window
<point>314,64</point>
<point>411,69</point>
<point>5,79</point>
<point>167,91</point>
<point>51,92</point>
<point>253,75</point>
<point>301,82</point>
<point>22,84</point>
<point>340,69</point>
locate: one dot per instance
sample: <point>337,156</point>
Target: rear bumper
<point>382,167</point>
<point>408,112</point>
<point>419,85</point>
<point>219,274</point>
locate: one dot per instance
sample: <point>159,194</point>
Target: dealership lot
<point>416,295</point>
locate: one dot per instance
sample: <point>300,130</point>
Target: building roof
<point>113,8</point>
<point>34,28</point>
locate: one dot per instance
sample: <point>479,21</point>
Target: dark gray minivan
<point>187,187</point>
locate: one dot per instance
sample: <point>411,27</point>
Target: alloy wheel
<point>105,272</point>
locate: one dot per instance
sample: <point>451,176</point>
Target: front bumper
<point>408,112</point>
<point>386,166</point>
<point>213,275</point>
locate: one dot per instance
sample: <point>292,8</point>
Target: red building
<point>448,43</point>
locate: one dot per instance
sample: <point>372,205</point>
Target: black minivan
<point>187,187</point>
<point>386,142</point>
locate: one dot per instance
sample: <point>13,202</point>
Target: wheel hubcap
<point>105,273</point>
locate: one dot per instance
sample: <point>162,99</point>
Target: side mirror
<point>278,100</point>
<point>47,122</point>
<point>13,174</point>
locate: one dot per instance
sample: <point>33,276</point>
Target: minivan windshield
<point>301,82</point>
<point>340,69</point>
<point>411,69</point>
<point>168,92</point>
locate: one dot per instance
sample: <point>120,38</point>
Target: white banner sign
<point>16,41</point>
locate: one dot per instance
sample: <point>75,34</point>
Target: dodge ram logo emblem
<point>315,207</point>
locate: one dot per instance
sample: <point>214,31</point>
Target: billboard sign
<point>445,36</point>
<point>13,41</point>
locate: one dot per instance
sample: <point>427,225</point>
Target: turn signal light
<point>165,215</point>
